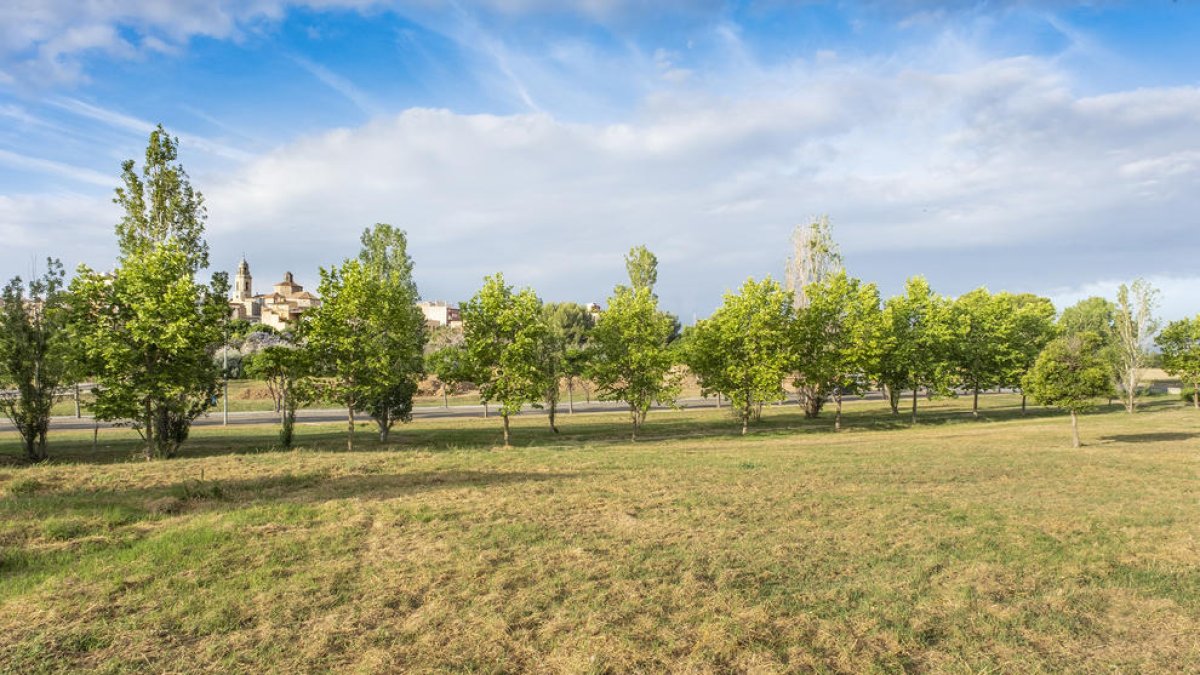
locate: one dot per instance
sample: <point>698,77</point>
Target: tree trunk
<point>571,395</point>
<point>78,412</point>
<point>350,429</point>
<point>505,416</point>
<point>914,405</point>
<point>149,426</point>
<point>383,431</point>
<point>1022,403</point>
<point>633,413</point>
<point>975,403</point>
<point>552,413</point>
<point>718,399</point>
<point>445,396</point>
<point>745,420</point>
<point>1074,430</point>
<point>485,407</point>
<point>837,417</point>
<point>1196,396</point>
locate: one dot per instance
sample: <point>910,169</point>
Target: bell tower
<point>242,282</point>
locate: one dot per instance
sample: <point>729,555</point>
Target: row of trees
<point>147,332</point>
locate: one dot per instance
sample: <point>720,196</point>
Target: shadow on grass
<point>581,430</point>
<point>231,494</point>
<point>1159,437</point>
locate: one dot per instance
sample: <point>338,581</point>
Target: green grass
<point>958,545</point>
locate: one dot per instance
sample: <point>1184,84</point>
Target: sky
<point>1048,147</point>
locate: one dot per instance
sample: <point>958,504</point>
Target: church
<point>279,309</point>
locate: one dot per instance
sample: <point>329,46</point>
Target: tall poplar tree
<point>147,331</point>
<point>368,336</point>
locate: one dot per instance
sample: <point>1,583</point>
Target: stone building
<point>279,309</point>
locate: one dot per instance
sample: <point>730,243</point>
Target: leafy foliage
<point>1071,373</point>
<point>744,349</point>
<point>1180,345</point>
<point>838,340</point>
<point>34,355</point>
<point>506,342</point>
<point>368,335</point>
<point>285,370</point>
<point>148,331</point>
<point>918,348</point>
<point>631,360</point>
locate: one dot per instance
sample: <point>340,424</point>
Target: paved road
<point>314,416</point>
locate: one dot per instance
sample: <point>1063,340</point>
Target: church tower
<point>241,284</point>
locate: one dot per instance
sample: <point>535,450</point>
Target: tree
<point>642,266</point>
<point>34,358</point>
<point>630,359</point>
<point>838,338</point>
<point>744,349</point>
<point>506,338</point>
<point>1031,329</point>
<point>1180,345</point>
<point>573,324</point>
<point>1070,374</point>
<point>368,335</point>
<point>917,352</point>
<point>452,368</point>
<point>147,332</point>
<point>1134,324</point>
<point>285,370</point>
<point>983,332</point>
<point>1090,315</point>
<point>814,258</point>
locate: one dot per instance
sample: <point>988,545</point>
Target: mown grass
<point>958,545</point>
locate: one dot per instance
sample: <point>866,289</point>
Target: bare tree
<point>1134,325</point>
<point>814,258</point>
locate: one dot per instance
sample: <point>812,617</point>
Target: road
<point>316,416</point>
<point>325,415</point>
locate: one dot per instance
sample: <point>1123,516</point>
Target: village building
<point>279,309</point>
<point>438,313</point>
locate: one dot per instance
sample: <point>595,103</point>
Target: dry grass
<point>959,546</point>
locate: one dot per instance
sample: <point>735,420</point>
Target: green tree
<point>1070,374</point>
<point>642,266</point>
<point>1031,329</point>
<point>918,348</point>
<point>34,355</point>
<point>1180,345</point>
<point>1134,325</point>
<point>572,323</point>
<point>838,338</point>
<point>285,370</point>
<point>147,332</point>
<point>368,335</point>
<point>630,359</point>
<point>983,334</point>
<point>744,349</point>
<point>452,367</point>
<point>506,338</point>
<point>1090,315</point>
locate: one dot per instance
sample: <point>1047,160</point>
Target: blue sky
<point>1041,147</point>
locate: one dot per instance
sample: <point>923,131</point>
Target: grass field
<point>958,545</point>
